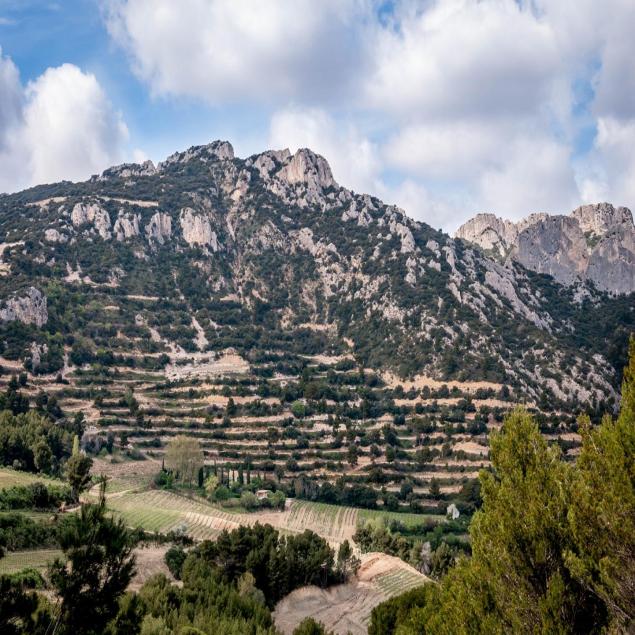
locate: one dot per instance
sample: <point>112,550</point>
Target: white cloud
<point>10,98</point>
<point>353,158</point>
<point>60,126</point>
<point>612,163</point>
<point>446,149</point>
<point>224,51</point>
<point>464,58</point>
<point>536,176</point>
<point>437,209</point>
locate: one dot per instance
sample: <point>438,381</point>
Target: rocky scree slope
<point>269,252</point>
<point>594,243</point>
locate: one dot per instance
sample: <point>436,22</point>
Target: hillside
<point>170,266</point>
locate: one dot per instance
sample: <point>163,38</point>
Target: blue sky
<point>446,107</point>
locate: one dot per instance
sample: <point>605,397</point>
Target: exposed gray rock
<point>197,229</point>
<point>310,168</point>
<point>129,170</point>
<point>556,246</point>
<point>452,512</point>
<point>159,228</point>
<point>126,226</point>
<point>595,243</point>
<point>37,351</point>
<point>601,218</point>
<point>53,236</point>
<point>29,308</point>
<point>217,150</point>
<point>92,214</point>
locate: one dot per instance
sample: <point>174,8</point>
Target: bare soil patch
<point>346,608</point>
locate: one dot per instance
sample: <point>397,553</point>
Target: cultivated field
<point>35,559</point>
<point>10,477</point>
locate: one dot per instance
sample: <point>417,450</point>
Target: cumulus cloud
<point>611,164</point>
<point>223,51</point>
<point>461,57</point>
<point>60,126</point>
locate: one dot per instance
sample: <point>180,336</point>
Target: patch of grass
<point>10,477</point>
<point>37,559</point>
<point>407,519</point>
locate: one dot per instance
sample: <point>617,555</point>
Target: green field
<point>398,581</point>
<point>37,559</point>
<point>10,477</point>
<point>407,519</point>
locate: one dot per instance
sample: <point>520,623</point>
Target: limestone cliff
<point>594,243</point>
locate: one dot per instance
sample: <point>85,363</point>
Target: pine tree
<point>98,567</point>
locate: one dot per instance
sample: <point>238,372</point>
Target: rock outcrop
<point>126,226</point>
<point>159,228</point>
<point>29,308</point>
<point>128,170</point>
<point>197,229</point>
<point>594,243</point>
<point>92,214</point>
<point>217,150</point>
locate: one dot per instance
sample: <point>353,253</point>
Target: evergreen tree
<point>97,567</point>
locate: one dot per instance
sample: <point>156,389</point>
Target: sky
<point>444,107</point>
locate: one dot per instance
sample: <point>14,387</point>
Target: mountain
<point>207,253</point>
<point>594,243</point>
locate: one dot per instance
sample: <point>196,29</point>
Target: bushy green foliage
<point>22,437</point>
<point>98,567</point>
<point>36,496</point>
<point>174,558</point>
<point>278,563</point>
<point>308,626</point>
<point>18,531</point>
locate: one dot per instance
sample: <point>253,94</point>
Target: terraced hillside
<point>297,424</point>
<point>307,336</point>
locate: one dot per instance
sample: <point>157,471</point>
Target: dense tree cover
<point>34,496</point>
<point>228,586</point>
<point>554,543</point>
<point>32,442</point>
<point>278,563</point>
<point>340,493</point>
<point>18,531</point>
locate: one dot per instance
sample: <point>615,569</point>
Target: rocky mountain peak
<point>128,170</point>
<point>216,150</point>
<point>595,242</point>
<point>220,241</point>
<point>491,233</point>
<point>308,167</point>
<point>600,218</point>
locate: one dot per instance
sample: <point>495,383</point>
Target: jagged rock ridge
<point>594,242</point>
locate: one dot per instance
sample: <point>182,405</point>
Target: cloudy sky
<point>445,107</point>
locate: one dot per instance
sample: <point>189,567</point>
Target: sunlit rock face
<point>594,243</point>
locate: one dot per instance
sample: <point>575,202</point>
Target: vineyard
<point>35,559</point>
